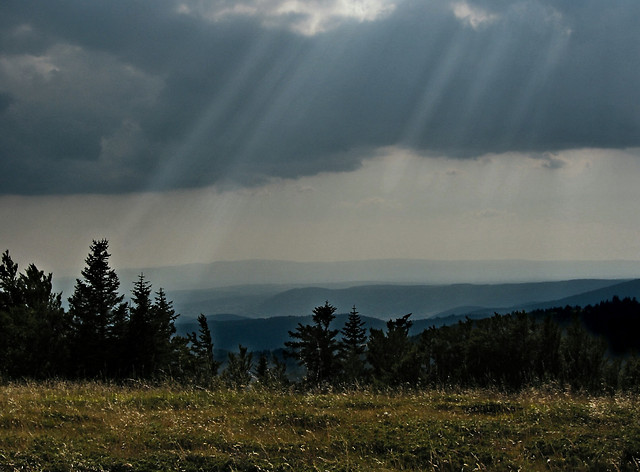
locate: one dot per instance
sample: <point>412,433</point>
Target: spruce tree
<point>202,347</point>
<point>97,314</point>
<point>237,374</point>
<point>262,369</point>
<point>33,324</point>
<point>9,289</point>
<point>393,356</point>
<point>163,328</point>
<point>353,347</point>
<point>271,375</point>
<point>316,346</point>
<point>48,334</point>
<point>140,333</point>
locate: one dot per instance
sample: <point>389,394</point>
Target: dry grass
<point>93,426</point>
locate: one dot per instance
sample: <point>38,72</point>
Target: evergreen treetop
<point>316,346</point>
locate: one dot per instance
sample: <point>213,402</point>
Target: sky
<point>319,130</point>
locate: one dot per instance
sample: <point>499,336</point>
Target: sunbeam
<point>190,131</point>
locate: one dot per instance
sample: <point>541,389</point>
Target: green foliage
<point>271,375</point>
<point>237,374</point>
<point>393,356</point>
<point>630,374</point>
<point>583,358</point>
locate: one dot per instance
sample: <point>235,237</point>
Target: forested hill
<point>424,301</point>
<point>103,336</point>
<point>385,301</point>
<point>613,318</point>
<point>271,332</point>
<point>630,289</point>
<point>264,334</point>
<point>268,334</point>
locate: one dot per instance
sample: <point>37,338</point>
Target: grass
<point>93,427</point>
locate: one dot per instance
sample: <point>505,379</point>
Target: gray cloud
<point>122,96</point>
<point>5,101</point>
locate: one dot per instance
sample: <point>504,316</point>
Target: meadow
<point>86,426</point>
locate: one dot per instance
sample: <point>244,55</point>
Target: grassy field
<point>92,426</point>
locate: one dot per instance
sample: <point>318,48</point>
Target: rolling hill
<point>271,332</point>
<point>379,301</point>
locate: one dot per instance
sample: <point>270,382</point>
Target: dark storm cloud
<point>5,101</point>
<point>122,96</point>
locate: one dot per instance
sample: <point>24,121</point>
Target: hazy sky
<point>313,130</point>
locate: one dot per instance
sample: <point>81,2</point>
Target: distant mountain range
<point>430,305</point>
<point>256,302</point>
<point>384,301</point>
<point>397,271</point>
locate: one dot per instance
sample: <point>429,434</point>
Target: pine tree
<point>583,357</point>
<point>393,356</point>
<point>47,338</point>
<point>183,362</point>
<point>97,313</point>
<point>271,374</point>
<point>202,347</point>
<point>262,369</point>
<point>140,333</point>
<point>34,329</point>
<point>163,328</point>
<point>237,374</point>
<point>353,347</point>
<point>316,346</point>
<point>10,295</point>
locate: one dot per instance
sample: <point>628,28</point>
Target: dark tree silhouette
<point>393,356</point>
<point>271,374</point>
<point>237,374</point>
<point>316,346</point>
<point>202,347</point>
<point>34,329</point>
<point>141,330</point>
<point>10,295</point>
<point>98,314</point>
<point>163,328</point>
<point>352,348</point>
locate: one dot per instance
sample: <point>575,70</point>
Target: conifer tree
<point>140,333</point>
<point>97,314</point>
<point>33,325</point>
<point>163,324</point>
<point>393,356</point>
<point>237,374</point>
<point>262,368</point>
<point>182,363</point>
<point>583,357</point>
<point>316,346</point>
<point>48,335</point>
<point>271,374</point>
<point>202,347</point>
<point>9,289</point>
<point>353,347</point>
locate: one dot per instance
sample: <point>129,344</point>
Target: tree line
<point>101,336</point>
<point>592,349</point>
